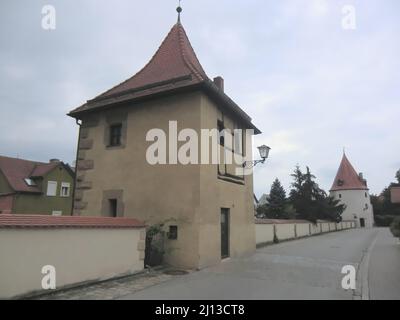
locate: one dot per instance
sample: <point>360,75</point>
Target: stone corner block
<point>141,245</point>
<point>85,164</point>
<point>86,144</point>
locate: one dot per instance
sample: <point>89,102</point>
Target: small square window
<point>221,132</point>
<point>30,182</point>
<point>173,233</point>
<point>115,134</point>
<point>65,189</point>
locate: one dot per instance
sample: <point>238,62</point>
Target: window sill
<point>109,147</point>
<point>232,150</point>
<point>231,179</point>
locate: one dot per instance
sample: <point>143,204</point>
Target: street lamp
<point>264,152</point>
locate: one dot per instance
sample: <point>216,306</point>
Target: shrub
<point>395,227</point>
<point>154,245</point>
<point>383,221</point>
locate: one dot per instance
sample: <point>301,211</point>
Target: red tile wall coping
<point>282,221</point>
<point>45,221</point>
<point>278,221</point>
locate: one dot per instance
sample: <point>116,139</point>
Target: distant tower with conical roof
<point>352,190</point>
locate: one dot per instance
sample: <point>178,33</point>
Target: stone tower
<point>352,190</point>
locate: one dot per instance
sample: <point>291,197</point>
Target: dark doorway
<point>224,233</point>
<point>362,222</point>
<point>113,207</point>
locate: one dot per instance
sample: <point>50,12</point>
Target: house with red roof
<point>352,190</point>
<point>32,187</point>
<point>206,210</point>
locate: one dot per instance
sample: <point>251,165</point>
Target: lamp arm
<point>252,164</point>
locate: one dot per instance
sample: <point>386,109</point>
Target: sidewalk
<point>384,269</point>
<point>111,289</point>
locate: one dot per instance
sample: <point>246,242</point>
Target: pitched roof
<point>42,169</point>
<point>174,59</point>
<point>173,68</point>
<point>347,178</point>
<point>16,170</point>
<point>45,221</point>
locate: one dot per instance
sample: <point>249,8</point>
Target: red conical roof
<point>174,68</point>
<point>347,178</point>
<point>175,58</point>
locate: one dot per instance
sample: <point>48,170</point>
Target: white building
<point>264,199</point>
<point>351,189</point>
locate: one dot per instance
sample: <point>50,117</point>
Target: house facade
<point>352,190</point>
<point>31,187</point>
<point>395,193</point>
<point>206,209</point>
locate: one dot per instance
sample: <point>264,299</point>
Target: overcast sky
<point>311,86</point>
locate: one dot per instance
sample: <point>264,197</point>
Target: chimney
<point>54,161</point>
<point>361,177</point>
<point>219,82</point>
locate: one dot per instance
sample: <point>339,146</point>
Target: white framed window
<point>30,182</point>
<point>51,188</point>
<point>65,189</point>
<point>57,213</point>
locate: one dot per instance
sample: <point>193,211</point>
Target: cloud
<point>318,8</point>
<point>282,142</point>
<point>309,85</point>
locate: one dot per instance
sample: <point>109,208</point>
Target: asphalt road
<point>309,268</point>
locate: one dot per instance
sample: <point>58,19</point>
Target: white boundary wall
<point>78,255</point>
<point>264,233</point>
<point>302,230</point>
<point>285,231</point>
<point>268,229</point>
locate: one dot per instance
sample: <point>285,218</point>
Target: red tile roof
<point>42,169</point>
<point>173,67</point>
<point>43,221</point>
<point>174,59</point>
<point>16,170</point>
<point>347,178</point>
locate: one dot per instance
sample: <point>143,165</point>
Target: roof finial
<point>179,10</point>
<point>344,151</point>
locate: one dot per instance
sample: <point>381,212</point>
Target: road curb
<point>363,272</point>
